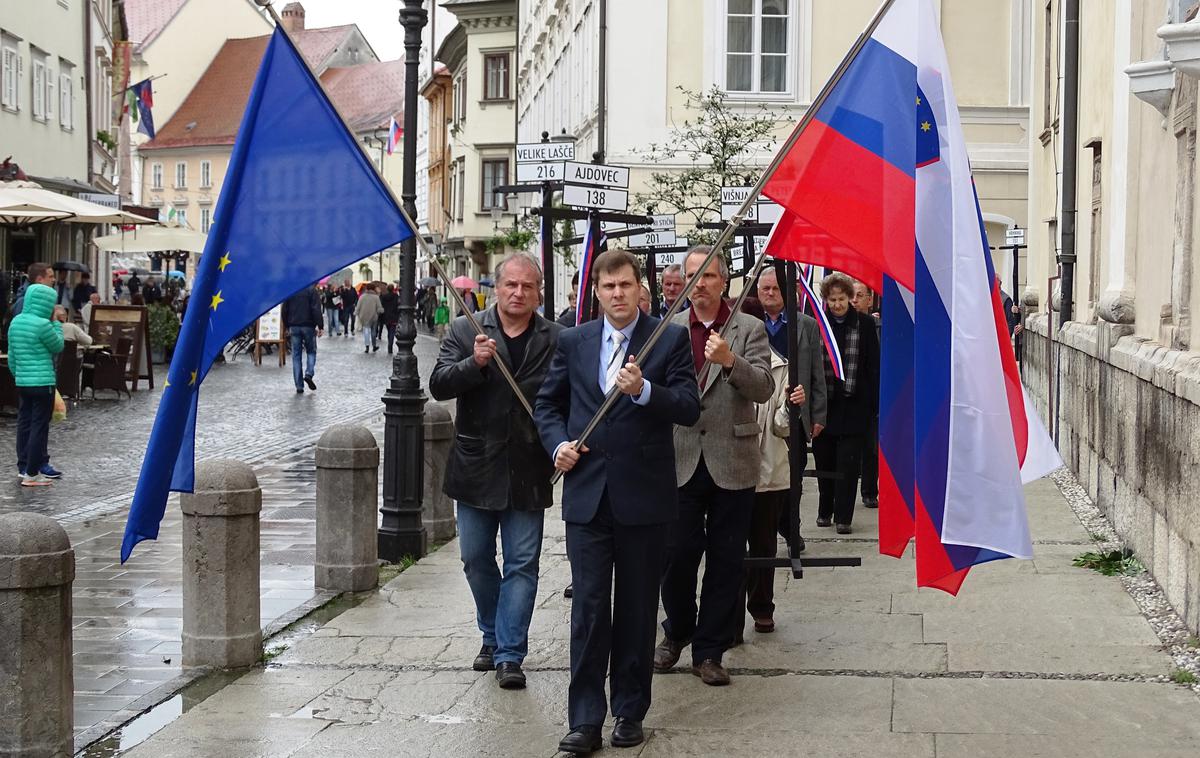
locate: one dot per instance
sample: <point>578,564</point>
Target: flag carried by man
<point>878,185</point>
<point>300,201</point>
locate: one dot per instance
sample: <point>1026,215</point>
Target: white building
<point>773,52</point>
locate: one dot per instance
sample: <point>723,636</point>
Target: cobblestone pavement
<point>128,618</point>
<point>1034,658</point>
<point>248,412</point>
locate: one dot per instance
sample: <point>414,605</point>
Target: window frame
<point>484,206</point>
<point>205,174</point>
<point>205,220</point>
<point>40,71</point>
<point>66,95</point>
<point>506,57</point>
<point>181,217</point>
<point>10,73</point>
<point>156,176</point>
<point>180,175</point>
<point>799,17</point>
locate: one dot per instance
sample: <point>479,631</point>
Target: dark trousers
<point>348,321</point>
<point>391,330</point>
<point>614,571</point>
<point>713,524</point>
<point>758,588</point>
<point>839,453</point>
<point>34,407</point>
<point>870,463</point>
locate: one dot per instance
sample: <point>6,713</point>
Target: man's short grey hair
<point>674,268</point>
<point>722,266</point>
<point>524,259</point>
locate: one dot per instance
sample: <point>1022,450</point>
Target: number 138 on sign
<point>596,197</point>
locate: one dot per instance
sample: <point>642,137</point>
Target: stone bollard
<point>37,566</point>
<point>437,510</point>
<point>347,510</point>
<point>221,567</point>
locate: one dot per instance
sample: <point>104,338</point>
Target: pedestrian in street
<point>644,300</point>
<point>367,311</point>
<point>332,303</point>
<point>82,292</point>
<point>568,314</point>
<point>349,297</point>
<point>717,463</point>
<point>37,273</point>
<point>152,293</point>
<point>431,304</point>
<point>390,300</point>
<point>498,472</point>
<point>302,318</point>
<point>864,303</point>
<point>441,319</point>
<point>134,284</point>
<point>469,300</point>
<point>775,317</point>
<point>672,285</point>
<point>619,494</point>
<point>33,342</point>
<point>852,403</point>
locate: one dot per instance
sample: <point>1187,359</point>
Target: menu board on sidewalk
<point>111,323</point>
<point>269,331</point>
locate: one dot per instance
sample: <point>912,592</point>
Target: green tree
<point>721,147</point>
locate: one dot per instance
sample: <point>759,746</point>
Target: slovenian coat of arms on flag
<point>878,184</point>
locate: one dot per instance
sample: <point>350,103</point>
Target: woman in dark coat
<point>853,403</point>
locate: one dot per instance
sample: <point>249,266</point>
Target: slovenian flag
<point>394,135</point>
<point>879,185</point>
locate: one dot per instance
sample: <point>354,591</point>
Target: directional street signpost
<point>543,161</point>
<point>595,197</point>
<point>765,211</point>
<point>595,185</point>
<point>660,234</point>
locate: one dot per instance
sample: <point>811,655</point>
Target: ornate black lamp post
<point>401,533</point>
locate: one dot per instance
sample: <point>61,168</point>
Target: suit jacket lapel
<point>589,353</point>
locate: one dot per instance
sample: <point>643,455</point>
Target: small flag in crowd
<point>281,229</point>
<point>394,135</point>
<point>591,249</point>
<point>140,98</point>
<point>879,185</point>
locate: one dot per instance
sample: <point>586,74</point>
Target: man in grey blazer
<point>717,460</point>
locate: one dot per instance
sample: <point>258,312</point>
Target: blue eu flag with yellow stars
<point>299,202</point>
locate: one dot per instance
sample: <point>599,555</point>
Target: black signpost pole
<point>547,247</point>
<point>652,282</point>
<point>797,445</point>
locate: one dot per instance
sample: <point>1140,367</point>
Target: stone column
<point>221,567</point>
<point>347,509</point>
<point>37,566</point>
<point>437,509</point>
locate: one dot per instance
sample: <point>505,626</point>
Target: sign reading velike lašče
<point>545,152</point>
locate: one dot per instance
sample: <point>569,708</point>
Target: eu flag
<point>300,201</point>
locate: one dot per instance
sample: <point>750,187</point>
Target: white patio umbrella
<point>153,239</point>
<point>17,199</point>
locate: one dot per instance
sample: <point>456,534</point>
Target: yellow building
<point>184,165</point>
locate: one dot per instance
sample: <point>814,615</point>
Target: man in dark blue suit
<point>619,494</point>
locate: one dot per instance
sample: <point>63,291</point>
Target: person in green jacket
<point>33,341</point>
<point>441,317</point>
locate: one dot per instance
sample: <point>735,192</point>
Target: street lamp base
<point>405,542</point>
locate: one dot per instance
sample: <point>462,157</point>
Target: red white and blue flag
<point>822,318</point>
<point>879,185</point>
<point>394,135</point>
<point>591,249</point>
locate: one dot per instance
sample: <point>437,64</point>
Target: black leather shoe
<point>569,592</point>
<point>510,676</point>
<point>824,522</point>
<point>484,661</point>
<point>800,545</point>
<point>626,733</point>
<point>581,740</point>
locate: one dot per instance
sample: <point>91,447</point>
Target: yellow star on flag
<point>192,383</point>
<point>166,383</point>
<point>924,127</point>
<point>918,100</point>
<point>225,261</point>
<point>216,300</point>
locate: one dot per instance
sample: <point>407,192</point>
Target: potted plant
<point>164,331</point>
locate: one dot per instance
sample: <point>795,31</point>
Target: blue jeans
<point>503,605</point>
<point>35,405</point>
<point>304,338</point>
<point>332,320</point>
<point>370,335</point>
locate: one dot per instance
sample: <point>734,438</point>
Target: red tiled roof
<point>368,94</point>
<point>146,18</point>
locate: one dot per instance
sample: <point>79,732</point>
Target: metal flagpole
<point>421,243</point>
<point>736,221</point>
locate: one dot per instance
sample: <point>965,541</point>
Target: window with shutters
<point>205,220</point>
<point>66,95</point>
<point>205,174</point>
<point>41,76</point>
<point>10,73</point>
<point>181,175</point>
<point>156,176</point>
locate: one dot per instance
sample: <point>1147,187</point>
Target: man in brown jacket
<point>718,461</point>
